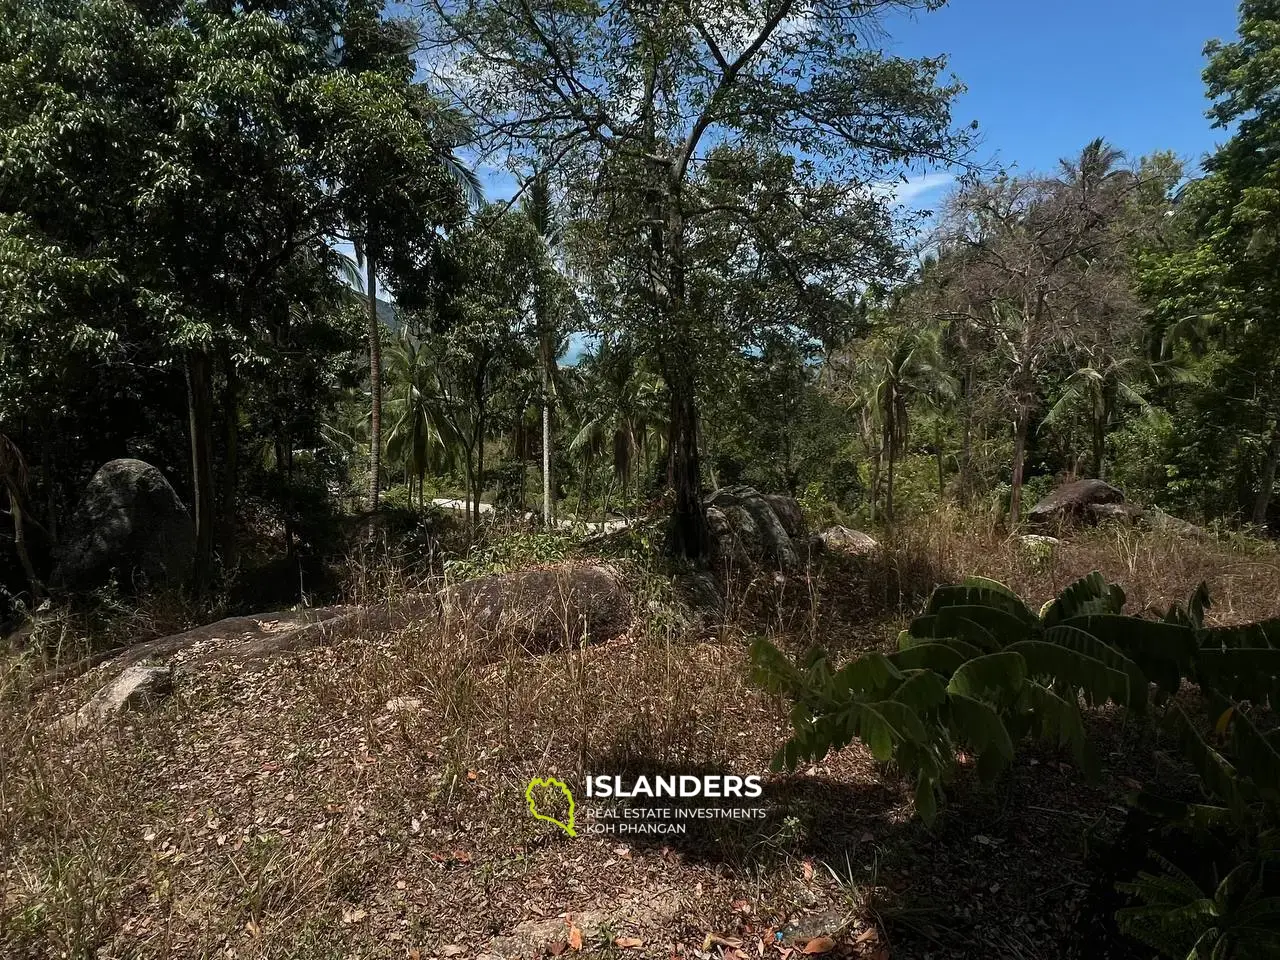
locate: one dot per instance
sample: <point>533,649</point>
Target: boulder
<point>1122,512</point>
<point>1075,502</point>
<point>545,608</point>
<point>135,688</point>
<point>852,542</point>
<point>130,527</point>
<point>1162,522</point>
<point>748,527</point>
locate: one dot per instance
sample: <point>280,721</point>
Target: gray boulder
<point>845,540</point>
<point>543,609</point>
<point>1086,501</point>
<point>748,527</point>
<point>130,527</point>
<point>136,688</point>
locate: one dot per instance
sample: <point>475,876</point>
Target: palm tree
<point>422,438</point>
<point>13,478</point>
<point>1096,168</point>
<point>538,207</point>
<point>1099,389</point>
<point>900,366</point>
<point>365,259</point>
<point>624,411</point>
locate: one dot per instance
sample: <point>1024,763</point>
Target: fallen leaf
<point>627,943</point>
<point>808,869</point>
<point>353,916</point>
<point>575,937</point>
<point>557,948</point>
<point>715,938</point>
<point>819,945</point>
<point>870,935</point>
<point>254,930</point>
<point>452,950</point>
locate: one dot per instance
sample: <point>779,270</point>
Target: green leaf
<point>1058,720</point>
<point>1241,673</point>
<point>1264,634</point>
<point>952,623</point>
<point>926,799</point>
<point>1075,639</point>
<point>995,676</point>
<point>1218,776</point>
<point>979,592</point>
<point>979,725</point>
<point>939,657</point>
<point>869,674</point>
<point>922,691</point>
<point>1087,596</point>
<point>1163,651</point>
<point>1076,670</point>
<point>1255,756</point>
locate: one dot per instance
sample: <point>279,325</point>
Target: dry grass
<point>292,808</point>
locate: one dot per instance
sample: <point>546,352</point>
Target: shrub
<point>981,671</point>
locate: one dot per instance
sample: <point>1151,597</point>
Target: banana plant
<point>977,673</point>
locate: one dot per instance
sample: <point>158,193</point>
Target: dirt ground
<point>367,799</point>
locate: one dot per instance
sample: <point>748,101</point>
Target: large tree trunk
<point>689,534</point>
<point>1267,482</point>
<point>20,545</point>
<point>888,489</point>
<point>199,409</point>
<point>231,464</point>
<point>546,430</point>
<point>966,441</point>
<point>1020,428</point>
<point>375,386</point>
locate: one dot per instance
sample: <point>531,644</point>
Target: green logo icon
<point>550,783</point>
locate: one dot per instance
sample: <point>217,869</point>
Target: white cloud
<point>915,188</point>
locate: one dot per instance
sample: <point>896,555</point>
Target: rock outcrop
<point>1081,501</point>
<point>545,608</point>
<point>130,527</point>
<point>135,688</point>
<point>753,528</point>
<point>848,541</point>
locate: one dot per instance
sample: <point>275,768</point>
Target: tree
<point>1223,280</point>
<point>629,99</point>
<point>13,478</point>
<point>181,175</point>
<point>1035,266</point>
<point>898,365</point>
<point>422,437</point>
<point>485,313</point>
<point>550,300</point>
<point>622,411</point>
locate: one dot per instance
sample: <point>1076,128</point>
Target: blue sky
<point>1047,76</point>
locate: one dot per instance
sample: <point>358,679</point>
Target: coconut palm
<point>624,413</point>
<point>422,439</point>
<point>900,365</point>
<point>539,208</point>
<point>1096,165</point>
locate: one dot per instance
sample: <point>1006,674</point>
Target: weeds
<point>372,792</point>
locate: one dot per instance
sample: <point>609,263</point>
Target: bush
<point>980,671</point>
